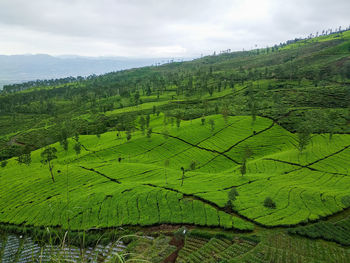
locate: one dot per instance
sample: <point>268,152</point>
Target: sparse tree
<point>269,203</point>
<point>247,153</point>
<point>243,167</point>
<point>3,164</point>
<point>178,122</point>
<point>232,194</point>
<point>47,156</point>
<point>212,124</point>
<point>225,113</point>
<point>303,138</point>
<point>149,132</point>
<point>154,109</point>
<point>148,118</point>
<point>64,144</point>
<point>128,135</point>
<point>166,134</point>
<point>142,124</point>
<point>193,165</point>
<point>77,148</point>
<point>64,139</point>
<point>76,137</point>
<point>183,176</point>
<point>25,157</point>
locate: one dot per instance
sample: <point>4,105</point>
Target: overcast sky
<point>160,28</point>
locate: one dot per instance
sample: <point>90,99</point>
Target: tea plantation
<point>250,149</point>
<point>116,182</point>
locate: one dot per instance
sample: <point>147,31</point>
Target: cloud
<point>146,28</point>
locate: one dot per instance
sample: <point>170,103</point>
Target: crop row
<point>281,248</point>
<point>338,232</point>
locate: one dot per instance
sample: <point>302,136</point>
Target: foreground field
<point>115,182</point>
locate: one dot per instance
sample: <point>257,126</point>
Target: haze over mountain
<point>20,68</point>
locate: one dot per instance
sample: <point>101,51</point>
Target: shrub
<point>269,203</point>
<point>3,164</point>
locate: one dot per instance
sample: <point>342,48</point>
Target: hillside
<point>248,150</point>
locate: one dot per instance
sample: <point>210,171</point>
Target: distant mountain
<point>21,68</point>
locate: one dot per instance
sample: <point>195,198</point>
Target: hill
<point>248,150</point>
<point>23,68</point>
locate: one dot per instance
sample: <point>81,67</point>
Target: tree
<point>225,112</point>
<point>149,132</point>
<point>142,124</point>
<point>178,121</point>
<point>64,139</point>
<point>148,118</point>
<point>212,124</point>
<point>154,109</point>
<point>137,97</point>
<point>247,153</point>
<point>303,138</point>
<point>64,144</point>
<point>76,137</point>
<point>25,157</point>
<point>193,165</point>
<point>3,164</point>
<point>128,135</point>
<point>243,168</point>
<point>77,148</point>
<point>203,121</point>
<point>183,176</point>
<point>47,156</point>
<point>346,68</point>
<point>232,196</point>
<point>165,134</point>
<point>269,203</point>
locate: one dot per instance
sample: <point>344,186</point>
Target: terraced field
<point>276,247</point>
<point>282,248</point>
<point>115,182</point>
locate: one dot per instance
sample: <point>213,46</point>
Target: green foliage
<point>178,122</point>
<point>47,156</point>
<point>128,135</point>
<point>77,148</point>
<point>303,139</point>
<point>232,194</point>
<point>193,165</point>
<point>149,132</point>
<point>3,164</point>
<point>212,124</point>
<point>269,203</point>
<point>107,192</point>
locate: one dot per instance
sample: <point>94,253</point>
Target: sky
<point>160,28</point>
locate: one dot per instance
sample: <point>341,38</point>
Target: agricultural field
<point>227,158</point>
<point>115,182</point>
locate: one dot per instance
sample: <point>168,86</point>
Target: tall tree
<point>47,156</point>
<point>247,153</point>
<point>183,176</point>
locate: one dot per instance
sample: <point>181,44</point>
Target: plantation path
<point>99,173</point>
